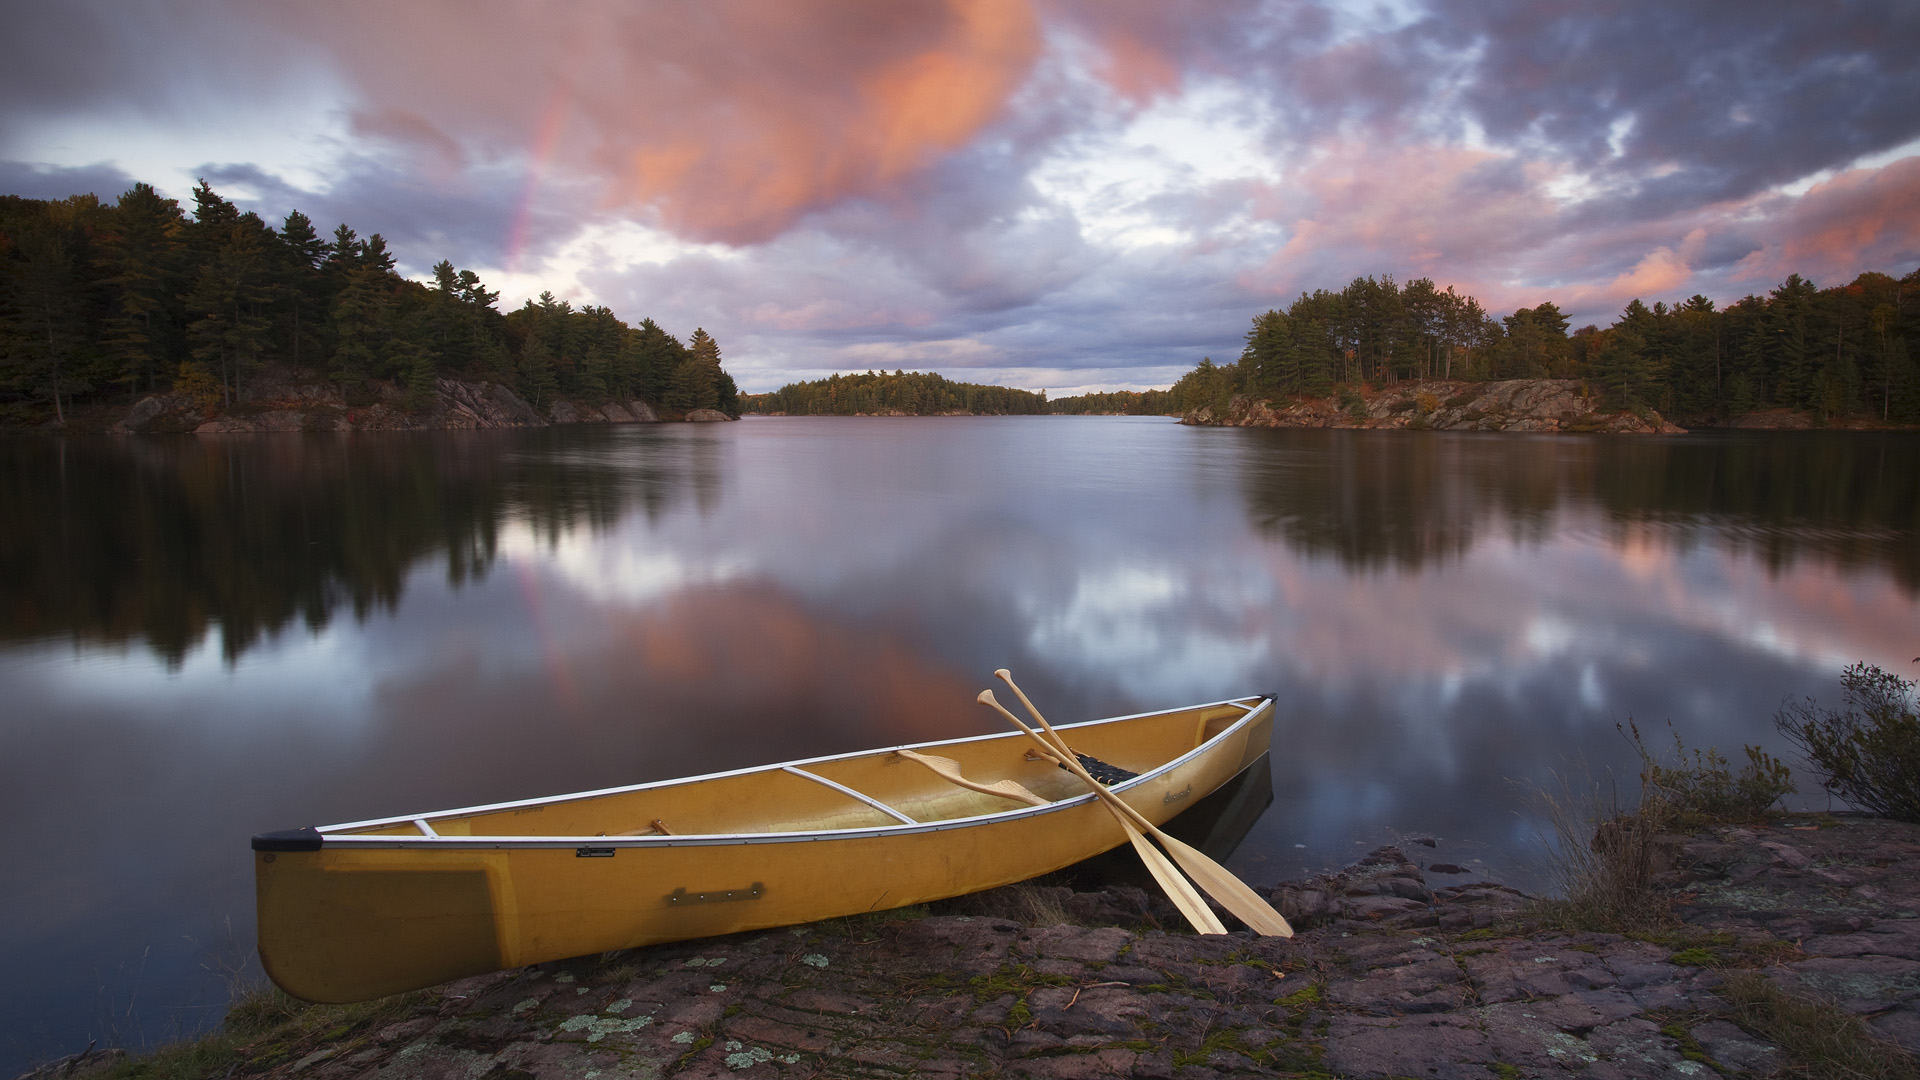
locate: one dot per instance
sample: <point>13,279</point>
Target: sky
<point>1053,194</point>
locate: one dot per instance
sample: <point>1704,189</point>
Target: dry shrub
<point>1698,787</point>
<point>1869,753</point>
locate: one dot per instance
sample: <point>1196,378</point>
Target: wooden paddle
<point>1222,885</point>
<point>1177,888</point>
<point>949,770</point>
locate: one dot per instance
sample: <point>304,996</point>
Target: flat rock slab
<point>1389,976</point>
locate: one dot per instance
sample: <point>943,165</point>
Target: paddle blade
<point>949,770</point>
<point>1221,884</point>
<point>1177,888</point>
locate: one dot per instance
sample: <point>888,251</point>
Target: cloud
<point>35,181</point>
<point>727,120</point>
<point>1861,219</point>
<point>1059,186</point>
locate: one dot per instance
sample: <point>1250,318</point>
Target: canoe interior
<point>771,800</point>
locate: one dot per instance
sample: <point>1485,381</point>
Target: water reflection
<point>159,540</point>
<point>537,612</point>
<point>1374,499</point>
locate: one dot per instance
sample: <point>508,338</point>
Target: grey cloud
<point>466,218</point>
<point>1740,96</point>
<point>150,59</point>
<point>34,181</point>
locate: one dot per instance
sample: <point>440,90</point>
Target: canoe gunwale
<point>332,836</point>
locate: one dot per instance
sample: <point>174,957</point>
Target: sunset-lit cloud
<point>1057,193</point>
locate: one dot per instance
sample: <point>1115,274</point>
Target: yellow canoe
<point>358,911</point>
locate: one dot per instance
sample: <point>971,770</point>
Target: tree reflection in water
<point>159,540</point>
<point>1379,500</point>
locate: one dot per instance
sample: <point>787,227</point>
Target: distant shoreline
<point>291,406</point>
<point>1518,405</point>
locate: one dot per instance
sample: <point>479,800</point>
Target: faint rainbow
<point>558,672</point>
<point>546,140</point>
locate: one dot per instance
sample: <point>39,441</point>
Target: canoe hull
<point>350,923</point>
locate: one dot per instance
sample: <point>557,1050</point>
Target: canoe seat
<point>1214,721</point>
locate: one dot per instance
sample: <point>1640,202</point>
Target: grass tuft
<point>1818,1037</point>
<point>1040,906</point>
<point>1603,859</point>
<point>264,1029</point>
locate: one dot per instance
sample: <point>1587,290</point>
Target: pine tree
<point>1790,343</point>
<point>537,381</point>
<point>228,329</point>
<point>362,318</point>
<point>141,260</point>
<point>696,383</point>
<point>301,254</point>
<point>45,309</point>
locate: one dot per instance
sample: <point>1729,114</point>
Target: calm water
<point>205,638</point>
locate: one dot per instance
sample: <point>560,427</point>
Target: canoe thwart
<point>654,828</point>
<point>845,790</point>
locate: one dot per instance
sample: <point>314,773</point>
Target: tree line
<point>910,393</point>
<point>100,299</point>
<point>1115,403</point>
<point>1837,353</point>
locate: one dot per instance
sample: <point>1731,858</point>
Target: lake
<point>206,638</point>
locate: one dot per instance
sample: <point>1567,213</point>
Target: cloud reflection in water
<point>1439,616</point>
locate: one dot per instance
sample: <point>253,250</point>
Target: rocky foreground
<point>1393,973</point>
<point>1512,405</point>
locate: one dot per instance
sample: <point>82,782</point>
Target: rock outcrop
<point>1512,405</point>
<point>456,404</point>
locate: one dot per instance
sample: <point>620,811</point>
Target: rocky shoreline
<point>1394,972</point>
<point>456,405</point>
<point>1512,405</point>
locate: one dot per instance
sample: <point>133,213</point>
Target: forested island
<point>218,311</point>
<point>903,393</point>
<point>1798,356</point>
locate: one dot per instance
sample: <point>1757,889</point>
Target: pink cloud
<point>1862,219</point>
<point>725,120</point>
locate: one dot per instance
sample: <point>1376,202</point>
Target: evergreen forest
<point>906,393</point>
<point>1117,403</point>
<point>109,301</point>
<point>1837,354</point>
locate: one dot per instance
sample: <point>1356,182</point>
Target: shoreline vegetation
<point>1377,354</point>
<point>1800,356</point>
<point>1702,932</point>
<point>139,316</point>
<point>217,317</point>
